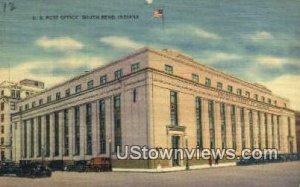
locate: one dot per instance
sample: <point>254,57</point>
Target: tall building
<point>297,115</point>
<point>10,93</point>
<point>154,98</point>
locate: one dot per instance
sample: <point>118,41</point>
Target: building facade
<point>153,98</point>
<point>297,115</point>
<point>10,93</point>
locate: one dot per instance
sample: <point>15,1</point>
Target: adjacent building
<point>10,93</point>
<point>297,115</point>
<point>154,98</point>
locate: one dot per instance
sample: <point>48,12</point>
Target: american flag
<point>158,13</point>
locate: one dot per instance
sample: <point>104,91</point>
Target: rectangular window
<point>251,129</point>
<point>2,106</point>
<point>275,102</point>
<point>220,85</point>
<point>13,93</point>
<point>207,82</point>
<point>135,67</point>
<point>48,99</point>
<point>259,129</point>
<point>66,132</point>
<point>239,91</point>
<point>256,97</point>
<point>2,129</point>
<point>247,94</point>
<point>278,132</point>
<point>262,98</point>
<point>199,122</point>
<point>223,124</point>
<point>168,69</point>
<point>26,106</point>
<point>40,101</point>
<point>47,143</point>
<point>78,89</point>
<point>266,130</point>
<point>77,130</point>
<point>272,131</point>
<point>2,118</point>
<point>211,122</point>
<point>242,117</point>
<point>103,79</point>
<point>118,74</point>
<point>102,126</point>
<point>25,139</point>
<point>229,89</point>
<point>33,104</point>
<point>67,92</point>
<point>12,105</point>
<point>269,101</point>
<point>89,143</point>
<point>134,95</point>
<point>173,108</point>
<point>18,94</point>
<point>56,134</point>
<point>117,123</point>
<point>233,126</point>
<point>195,77</point>
<point>90,84</point>
<point>58,96</point>
<point>31,138</point>
<point>39,137</point>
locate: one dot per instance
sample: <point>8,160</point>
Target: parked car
<point>100,164</point>
<point>79,166</point>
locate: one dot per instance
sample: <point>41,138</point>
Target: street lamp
<point>187,167</point>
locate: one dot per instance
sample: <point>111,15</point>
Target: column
<point>255,129</point>
<point>52,148</point>
<point>109,125</point>
<point>35,120</point>
<point>95,128</point>
<point>217,116</point>
<point>293,133</point>
<point>205,124</point>
<point>228,126</point>
<point>43,135</point>
<point>275,131</point>
<point>83,131</point>
<point>269,130</point>
<point>238,131</point>
<point>262,130</point>
<point>247,127</point>
<point>61,134</point>
<point>284,133</point>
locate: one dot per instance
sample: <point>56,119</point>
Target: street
<point>277,174</point>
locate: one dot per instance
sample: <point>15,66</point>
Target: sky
<point>257,40</point>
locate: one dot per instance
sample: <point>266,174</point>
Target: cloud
<point>59,43</point>
<point>120,42</point>
<point>149,1</point>
<point>287,86</point>
<point>46,70</point>
<point>272,61</point>
<point>220,56</point>
<point>203,33</point>
<point>259,36</point>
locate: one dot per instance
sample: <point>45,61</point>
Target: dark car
<point>79,166</point>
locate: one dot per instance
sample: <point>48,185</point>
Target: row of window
<point>65,145</point>
<point>243,123</point>
<point>195,78</point>
<point>90,84</point>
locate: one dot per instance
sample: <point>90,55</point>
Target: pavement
<point>276,174</point>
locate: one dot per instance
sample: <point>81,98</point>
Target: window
<point>90,84</point>
<point>278,132</point>
<point>77,130</point>
<point>223,124</point>
<point>12,105</point>
<point>229,89</point>
<point>117,123</point>
<point>242,118</point>
<point>102,126</point>
<point>78,88</point>
<point>173,108</point>
<point>262,98</point>
<point>285,105</point>
<point>31,138</point>
<point>66,132</point>
<point>195,77</point>
<point>211,122</point>
<point>259,129</point>
<point>168,69</point>
<point>40,101</point>
<point>233,126</point>
<point>273,131</point>
<point>134,95</point>
<point>220,85</point>
<point>118,74</point>
<point>207,82</point>
<point>2,129</point>
<point>39,137</point>
<point>256,97</point>
<point>56,134</point>
<point>2,141</point>
<point>33,104</point>
<point>266,130</point>
<point>198,105</point>
<point>67,92</point>
<point>247,94</point>
<point>239,91</point>
<point>27,93</point>
<point>2,117</point>
<point>48,99</point>
<point>24,138</point>
<point>269,101</point>
<point>2,106</point>
<point>47,142</point>
<point>13,93</point>
<point>251,129</point>
<point>88,121</point>
<point>135,67</point>
<point>18,94</point>
<point>2,92</point>
<point>103,79</point>
<point>275,102</point>
<point>26,106</point>
<point>58,96</point>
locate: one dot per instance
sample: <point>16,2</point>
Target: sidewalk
<point>170,169</point>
